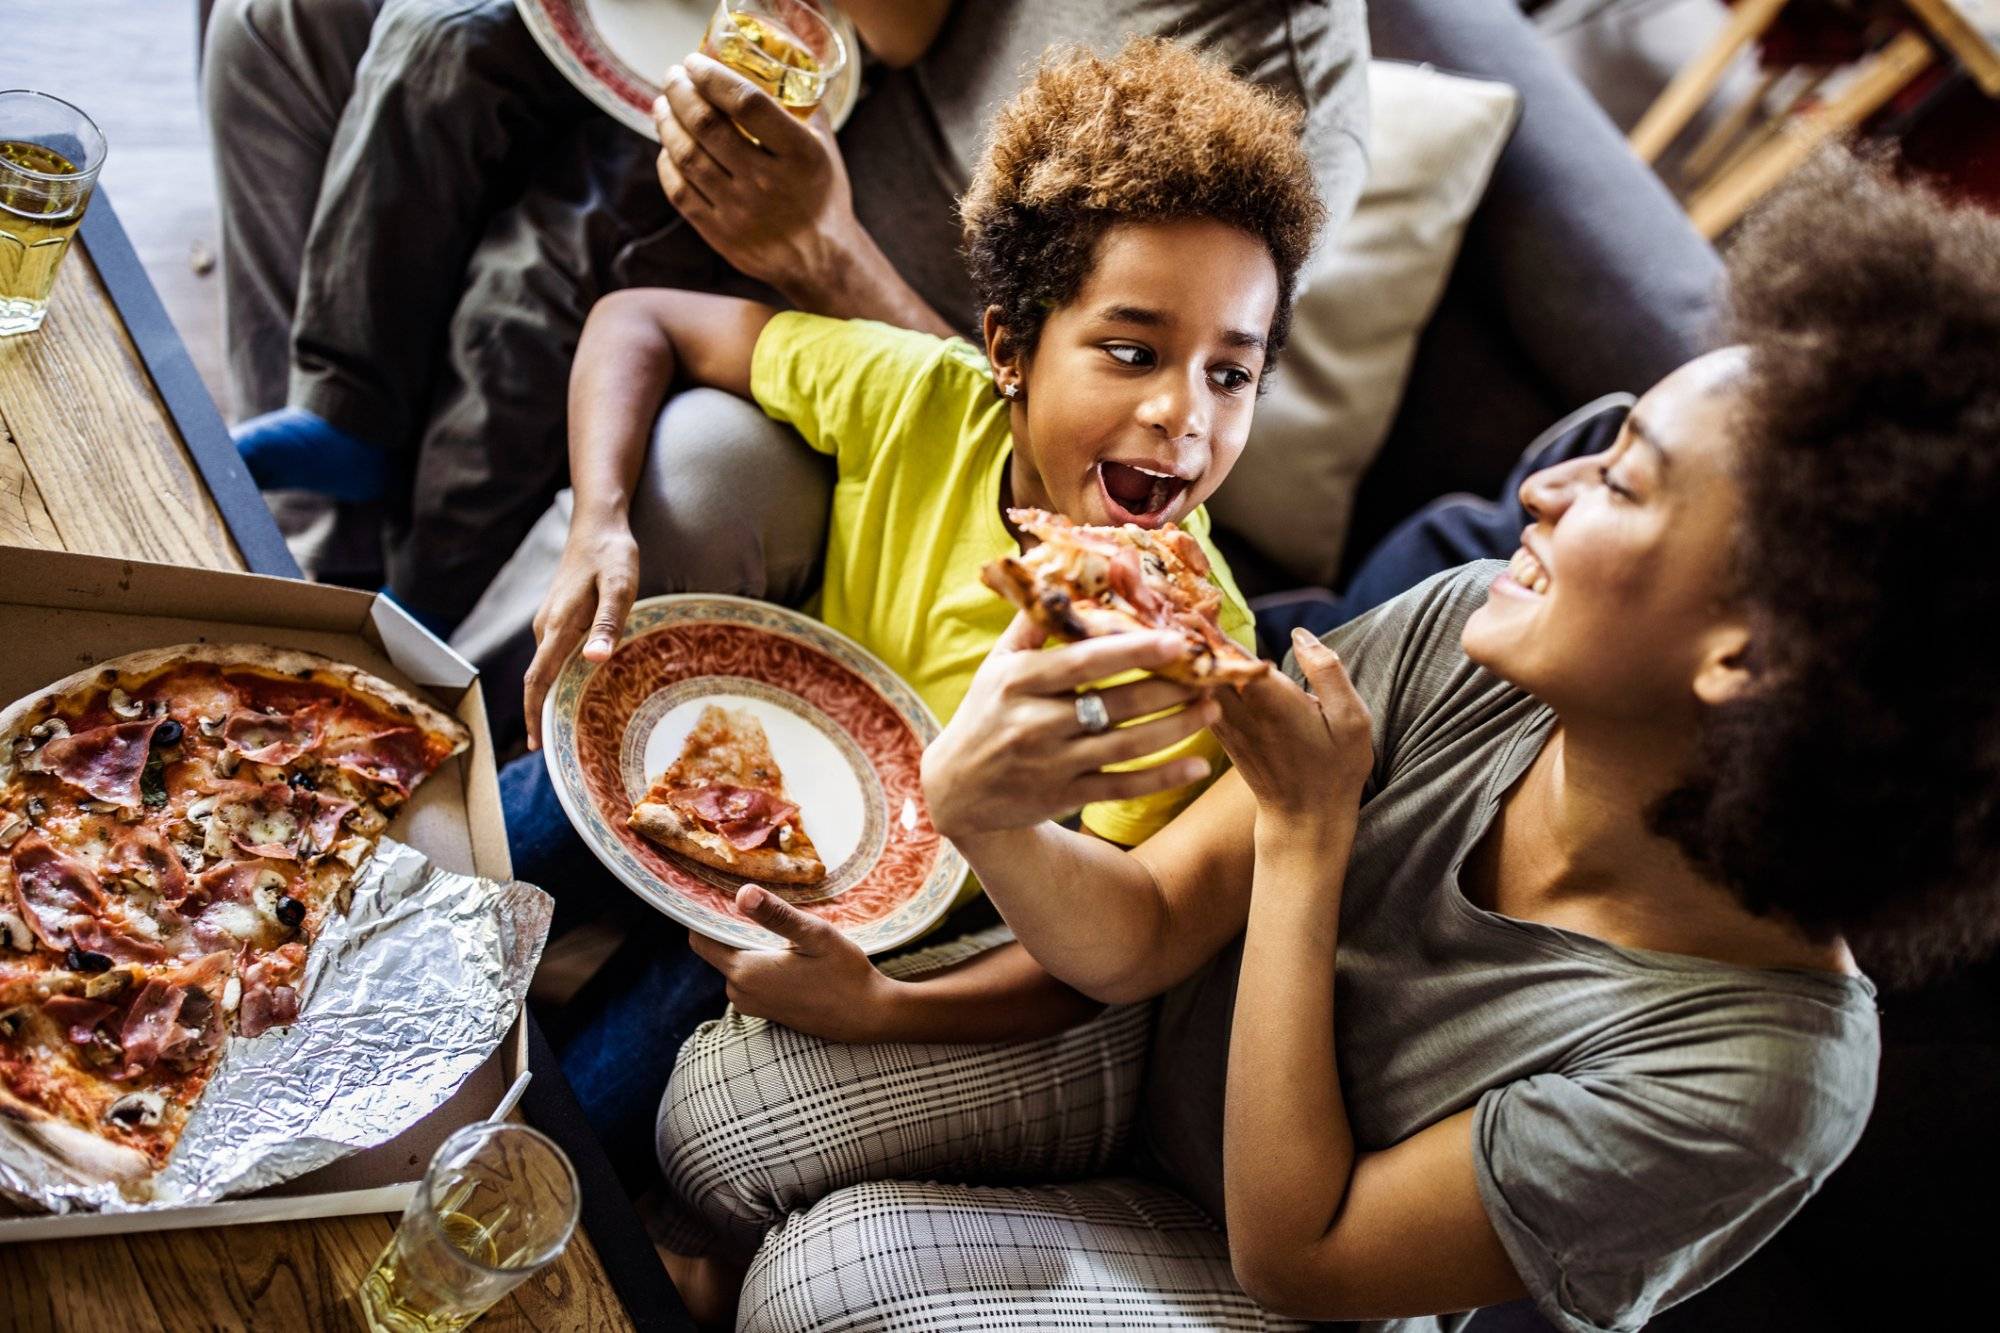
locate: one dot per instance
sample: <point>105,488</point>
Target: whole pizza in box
<point>176,827</point>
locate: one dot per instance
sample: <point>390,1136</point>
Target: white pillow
<point>1363,300</point>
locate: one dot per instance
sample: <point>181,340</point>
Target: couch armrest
<point>1580,274</point>
<point>1587,263</point>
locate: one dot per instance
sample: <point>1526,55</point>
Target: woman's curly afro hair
<point>1154,133</point>
<point>1857,790</point>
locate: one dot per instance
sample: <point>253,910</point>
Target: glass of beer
<point>50,154</point>
<point>785,47</point>
<point>497,1205</point>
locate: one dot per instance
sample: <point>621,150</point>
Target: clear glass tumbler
<point>498,1203</point>
<point>785,47</point>
<point>50,154</point>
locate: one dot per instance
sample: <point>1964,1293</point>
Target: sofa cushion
<point>1363,300</point>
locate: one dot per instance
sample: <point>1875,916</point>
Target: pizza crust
<point>79,1154</point>
<point>266,658</point>
<point>664,825</point>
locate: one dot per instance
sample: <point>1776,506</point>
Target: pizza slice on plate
<point>1082,582</point>
<point>723,804</point>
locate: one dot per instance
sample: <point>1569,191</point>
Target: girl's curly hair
<point>1154,133</point>
<point>1857,791</point>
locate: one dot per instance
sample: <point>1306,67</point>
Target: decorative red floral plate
<point>847,733</point>
<point>617,52</point>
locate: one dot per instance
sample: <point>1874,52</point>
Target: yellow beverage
<point>35,228</point>
<point>497,1204</point>
<point>417,1288</point>
<point>767,53</point>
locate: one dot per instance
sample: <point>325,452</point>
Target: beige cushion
<point>1365,298</point>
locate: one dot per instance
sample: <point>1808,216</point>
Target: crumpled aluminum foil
<point>403,999</point>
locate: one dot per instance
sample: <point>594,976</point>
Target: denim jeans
<point>617,1038</point>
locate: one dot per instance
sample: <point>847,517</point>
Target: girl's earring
<point>1012,391</point>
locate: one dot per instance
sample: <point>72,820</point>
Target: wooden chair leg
<point>1727,198</point>
<point>1715,145</point>
<point>1751,143</point>
<point>1695,84</point>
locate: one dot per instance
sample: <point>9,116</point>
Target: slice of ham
<point>323,819</point>
<point>393,756</point>
<point>273,738</point>
<point>115,938</point>
<point>260,819</point>
<point>1128,580</point>
<point>105,761</point>
<point>144,850</point>
<point>78,1015</point>
<point>1182,543</point>
<point>270,991</point>
<point>233,881</point>
<point>52,890</point>
<point>153,1027</point>
<point>222,911</point>
<point>745,817</point>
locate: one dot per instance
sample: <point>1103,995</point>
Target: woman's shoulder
<point>1780,1063</point>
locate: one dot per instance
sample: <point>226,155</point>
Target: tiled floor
<point>131,65</point>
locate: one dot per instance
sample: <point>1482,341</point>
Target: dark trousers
<point>418,213</point>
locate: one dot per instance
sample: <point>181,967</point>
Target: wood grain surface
<point>83,421</point>
<point>90,462</point>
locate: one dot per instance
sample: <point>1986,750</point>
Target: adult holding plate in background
<point>419,210</point>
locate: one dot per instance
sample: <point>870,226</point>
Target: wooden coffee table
<point>110,445</point>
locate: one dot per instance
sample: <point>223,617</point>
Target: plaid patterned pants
<point>909,1187</point>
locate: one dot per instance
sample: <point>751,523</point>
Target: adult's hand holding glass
<point>766,190</point>
<point>1017,751</point>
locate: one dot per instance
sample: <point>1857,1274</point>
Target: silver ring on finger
<point>1092,715</point>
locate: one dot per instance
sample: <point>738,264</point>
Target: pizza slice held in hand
<point>1082,582</point>
<point>723,804</point>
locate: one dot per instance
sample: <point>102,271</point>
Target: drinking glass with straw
<point>50,154</point>
<point>498,1204</point>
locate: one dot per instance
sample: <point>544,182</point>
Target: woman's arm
<point>897,31</point>
<point>1153,914</point>
<point>1316,1231</point>
<point>636,345</point>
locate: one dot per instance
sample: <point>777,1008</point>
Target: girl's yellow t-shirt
<point>921,443</point>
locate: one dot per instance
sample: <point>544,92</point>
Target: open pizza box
<point>61,612</point>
